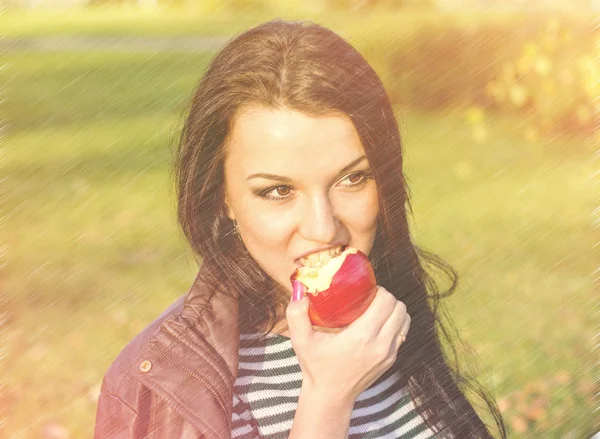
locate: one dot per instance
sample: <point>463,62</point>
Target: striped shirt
<point>267,389</point>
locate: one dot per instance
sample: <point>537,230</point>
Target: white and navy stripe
<point>267,390</point>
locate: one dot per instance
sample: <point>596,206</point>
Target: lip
<point>318,249</point>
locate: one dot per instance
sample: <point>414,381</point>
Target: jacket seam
<point>118,390</point>
<point>162,394</point>
<point>201,314</point>
<point>219,396</point>
<point>118,398</point>
<point>198,349</point>
<point>152,420</point>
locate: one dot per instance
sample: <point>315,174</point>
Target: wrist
<point>327,399</point>
<point>321,416</point>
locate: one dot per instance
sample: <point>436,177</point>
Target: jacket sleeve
<point>117,419</point>
<point>149,418</point>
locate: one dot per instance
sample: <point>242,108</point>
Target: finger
<point>375,315</point>
<point>390,329</point>
<point>402,334</point>
<point>296,313</point>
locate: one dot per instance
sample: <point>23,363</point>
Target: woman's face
<point>294,183</point>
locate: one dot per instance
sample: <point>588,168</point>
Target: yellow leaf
<point>524,65</point>
<point>479,134</point>
<point>587,64</point>
<point>496,91</point>
<point>542,66</point>
<point>548,87</point>
<point>518,95</point>
<point>474,115</point>
<point>531,50</point>
<point>592,89</point>
<point>549,43</point>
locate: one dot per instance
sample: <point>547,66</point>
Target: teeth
<point>314,258</point>
<point>325,257</point>
<point>321,258</point>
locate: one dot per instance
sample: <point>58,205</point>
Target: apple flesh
<point>340,290</point>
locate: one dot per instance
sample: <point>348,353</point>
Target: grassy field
<point>92,252</point>
<point>222,20</point>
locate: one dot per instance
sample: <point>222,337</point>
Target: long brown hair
<point>308,68</point>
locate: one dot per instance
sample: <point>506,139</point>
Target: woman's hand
<point>346,363</point>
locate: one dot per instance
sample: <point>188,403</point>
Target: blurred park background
<point>498,105</point>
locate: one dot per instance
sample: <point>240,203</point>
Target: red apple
<point>339,290</point>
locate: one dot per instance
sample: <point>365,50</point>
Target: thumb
<point>297,311</point>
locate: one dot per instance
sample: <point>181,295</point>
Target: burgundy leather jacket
<point>175,379</point>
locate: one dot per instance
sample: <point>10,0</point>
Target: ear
<point>228,210</point>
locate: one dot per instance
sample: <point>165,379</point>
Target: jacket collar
<point>194,357</point>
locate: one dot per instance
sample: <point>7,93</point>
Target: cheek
<point>266,227</point>
<point>360,213</point>
<point>267,237</point>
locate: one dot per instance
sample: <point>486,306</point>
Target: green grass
<point>219,19</point>
<point>93,253</point>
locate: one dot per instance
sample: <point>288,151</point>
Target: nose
<point>319,222</point>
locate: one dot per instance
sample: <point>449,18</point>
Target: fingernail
<point>298,290</point>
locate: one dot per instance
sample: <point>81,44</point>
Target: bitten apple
<point>340,287</point>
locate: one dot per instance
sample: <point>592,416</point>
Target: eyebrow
<point>289,180</point>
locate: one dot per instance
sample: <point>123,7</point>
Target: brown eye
<point>286,190</point>
<point>276,193</point>
<point>357,177</point>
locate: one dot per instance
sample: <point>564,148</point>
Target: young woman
<point>290,148</point>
